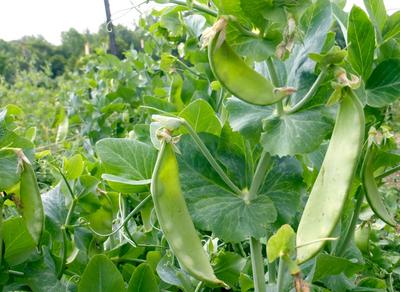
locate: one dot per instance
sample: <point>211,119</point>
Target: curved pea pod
<point>174,218</point>
<point>238,77</point>
<point>371,190</point>
<point>30,203</point>
<point>361,238</point>
<point>329,193</point>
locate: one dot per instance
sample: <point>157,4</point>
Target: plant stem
<point>272,72</point>
<point>263,165</point>
<point>272,272</point>
<point>351,227</point>
<point>197,6</point>
<point>388,172</point>
<point>257,264</point>
<point>310,92</point>
<point>275,81</point>
<point>203,148</point>
<point>281,274</point>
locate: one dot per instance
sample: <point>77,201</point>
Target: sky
<point>50,17</point>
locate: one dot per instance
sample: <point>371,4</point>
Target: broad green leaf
<point>8,169</point>
<point>143,279</point>
<point>175,91</point>
<point>234,154</point>
<point>247,118</point>
<point>200,115</point>
<point>170,274</point>
<point>227,267</point>
<point>12,140</point>
<point>315,23</point>
<point>127,158</point>
<point>391,29</point>
<point>373,283</point>
<point>19,244</point>
<point>212,205</point>
<point>327,265</point>
<point>254,9</point>
<point>283,242</point>
<point>298,133</point>
<point>171,20</point>
<point>284,186</point>
<point>101,275</point>
<point>383,87</point>
<point>230,7</point>
<point>377,12</point>
<point>54,206</point>
<point>361,40</point>
<point>73,167</point>
<point>41,275</point>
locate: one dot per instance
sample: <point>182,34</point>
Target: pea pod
<point>236,76</point>
<point>174,218</point>
<point>371,190</point>
<point>361,238</point>
<point>329,193</point>
<point>30,203</point>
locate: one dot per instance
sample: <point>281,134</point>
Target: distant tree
<point>72,45</point>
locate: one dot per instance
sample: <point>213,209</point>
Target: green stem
<point>262,167</point>
<point>310,92</point>
<point>197,6</point>
<point>275,81</point>
<point>388,172</point>
<point>281,274</point>
<point>257,263</point>
<point>352,226</point>
<point>272,272</point>
<point>198,287</point>
<point>272,72</point>
<point>16,273</point>
<point>203,148</point>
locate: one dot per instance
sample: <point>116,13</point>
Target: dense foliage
<point>87,153</point>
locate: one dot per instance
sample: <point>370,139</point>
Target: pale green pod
<point>238,77</point>
<point>329,193</point>
<point>371,190</point>
<point>174,218</point>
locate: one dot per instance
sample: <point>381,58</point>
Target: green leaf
<point>127,158</point>
<point>9,169</point>
<point>200,115</point>
<point>231,7</point>
<point>283,242</point>
<point>247,118</point>
<point>73,167</point>
<point>361,39</point>
<point>253,9</point>
<point>19,244</point>
<point>227,267</point>
<point>328,265</point>
<point>377,11</point>
<point>391,29</point>
<point>143,279</point>
<point>315,23</point>
<point>298,133</point>
<point>284,186</point>
<point>170,274</point>
<point>212,205</point>
<point>41,275</point>
<point>383,87</point>
<point>101,275</point>
<point>54,206</point>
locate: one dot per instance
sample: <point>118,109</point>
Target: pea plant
<point>253,154</point>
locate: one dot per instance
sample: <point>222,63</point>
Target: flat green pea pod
<point>234,74</point>
<point>30,203</point>
<point>174,218</point>
<point>329,193</point>
<point>361,238</point>
<point>371,189</point>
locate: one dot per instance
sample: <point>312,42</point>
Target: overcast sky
<point>50,17</point>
